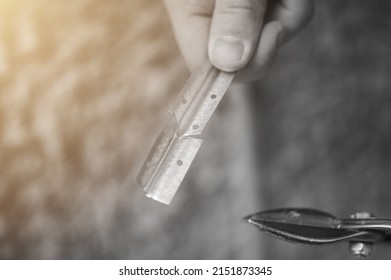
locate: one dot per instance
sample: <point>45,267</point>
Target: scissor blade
<point>312,235</point>
<point>299,216</point>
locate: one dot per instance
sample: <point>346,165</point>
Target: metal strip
<point>178,143</point>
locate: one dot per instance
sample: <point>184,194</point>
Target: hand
<point>236,35</point>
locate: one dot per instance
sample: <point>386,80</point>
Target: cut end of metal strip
<point>165,199</point>
<point>169,174</point>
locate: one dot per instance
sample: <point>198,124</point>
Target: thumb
<point>234,34</point>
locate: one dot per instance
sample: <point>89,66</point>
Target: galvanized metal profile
<point>178,143</point>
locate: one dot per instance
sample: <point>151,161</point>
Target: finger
<point>235,29</point>
<point>294,15</point>
<point>265,53</point>
<point>287,18</point>
<point>191,20</point>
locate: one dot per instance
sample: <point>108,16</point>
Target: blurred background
<point>84,90</point>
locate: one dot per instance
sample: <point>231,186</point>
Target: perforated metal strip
<point>178,143</point>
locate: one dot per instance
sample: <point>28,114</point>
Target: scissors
<point>314,227</point>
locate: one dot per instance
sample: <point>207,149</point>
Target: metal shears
<point>314,227</point>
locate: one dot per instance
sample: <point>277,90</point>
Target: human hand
<point>236,35</point>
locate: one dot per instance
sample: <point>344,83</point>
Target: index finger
<point>191,21</point>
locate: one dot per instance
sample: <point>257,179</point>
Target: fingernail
<point>228,49</point>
